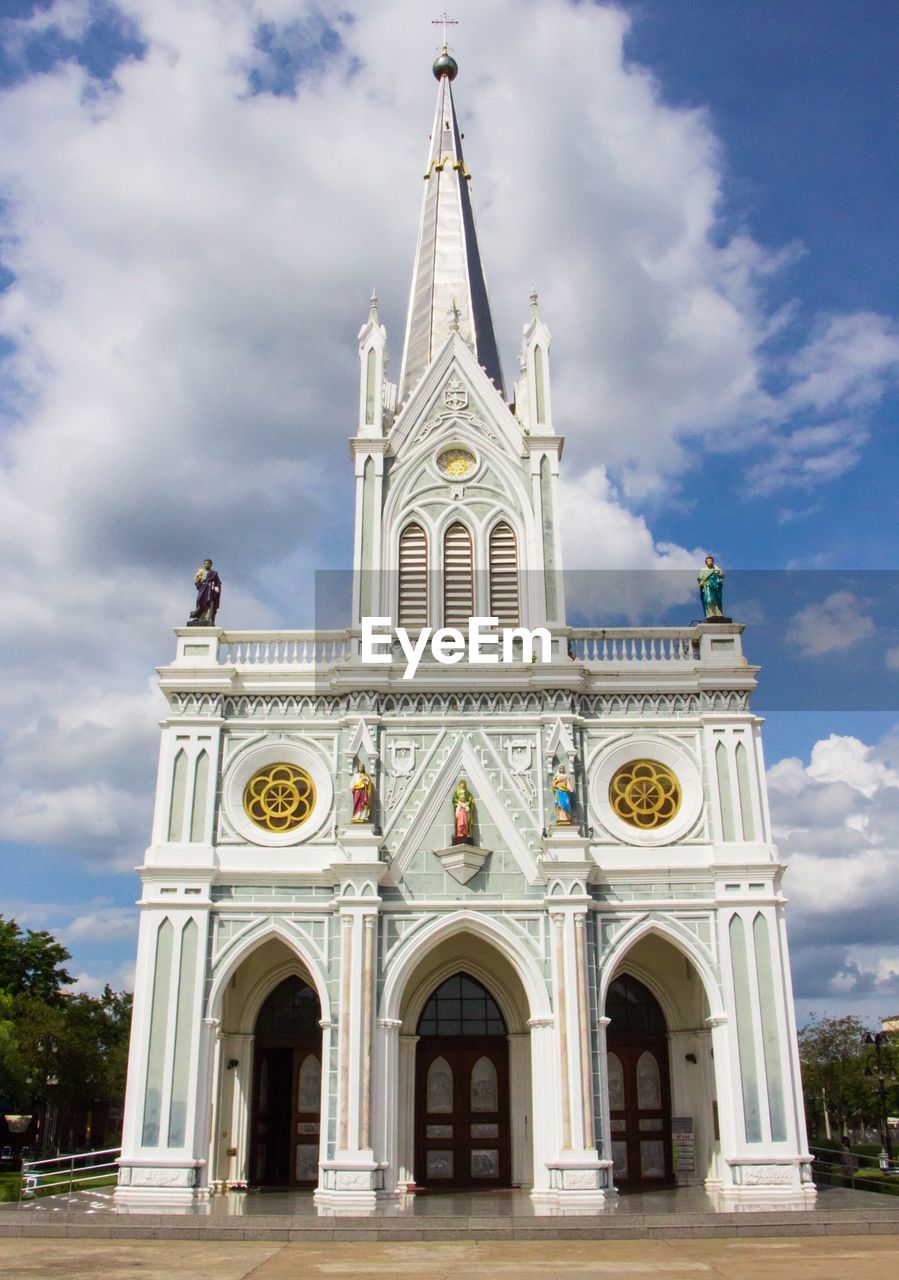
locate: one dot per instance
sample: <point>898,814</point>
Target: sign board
<point>684,1144</point>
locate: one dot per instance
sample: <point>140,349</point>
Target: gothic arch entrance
<point>462,1122</point>
<point>639,1087</point>
<point>287,1085</point>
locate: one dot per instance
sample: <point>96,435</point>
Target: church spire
<point>449,292</point>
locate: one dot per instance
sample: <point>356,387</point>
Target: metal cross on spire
<point>445,21</point>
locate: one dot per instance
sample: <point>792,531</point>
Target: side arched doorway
<point>639,1087</point>
<point>462,1129</point>
<point>287,1083</point>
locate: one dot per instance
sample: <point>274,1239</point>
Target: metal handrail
<point>64,1174</point>
<point>829,1164</point>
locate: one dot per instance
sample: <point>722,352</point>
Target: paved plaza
<point>815,1258</point>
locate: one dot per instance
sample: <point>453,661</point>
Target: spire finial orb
<point>445,65</point>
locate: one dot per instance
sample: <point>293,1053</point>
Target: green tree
<point>834,1058</point>
<point>13,1089</point>
<point>57,1049</point>
<point>31,963</point>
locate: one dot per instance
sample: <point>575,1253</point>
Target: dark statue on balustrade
<point>209,596</point>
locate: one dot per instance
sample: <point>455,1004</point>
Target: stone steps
<point>50,1223</point>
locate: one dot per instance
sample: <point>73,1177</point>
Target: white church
<point>358,977</point>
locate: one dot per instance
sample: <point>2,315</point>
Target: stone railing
<point>286,648</point>
<point>634,644</point>
<point>597,649</point>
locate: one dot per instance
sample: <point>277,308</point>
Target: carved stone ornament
<point>462,861</point>
<point>454,395</point>
<point>767,1175</point>
<point>402,757</point>
<point>519,753</point>
<point>400,768</point>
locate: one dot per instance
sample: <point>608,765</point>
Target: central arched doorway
<point>287,1085</point>
<point>462,1130</point>
<point>639,1087</point>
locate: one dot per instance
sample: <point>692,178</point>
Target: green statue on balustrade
<point>711,590</point>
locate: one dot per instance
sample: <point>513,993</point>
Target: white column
<point>521,1115</point>
<point>352,1178</point>
<point>240,1048</point>
<point>386,1103</point>
<point>577,1174</point>
<point>405,1112</point>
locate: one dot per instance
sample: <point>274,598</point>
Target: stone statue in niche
<point>711,590</point>
<point>209,596</point>
<point>563,796</point>
<point>463,814</point>
<point>362,792</point>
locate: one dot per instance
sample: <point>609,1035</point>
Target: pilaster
<point>578,1175</point>
<point>351,1180</point>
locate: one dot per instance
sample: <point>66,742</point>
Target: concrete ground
<point>811,1258</point>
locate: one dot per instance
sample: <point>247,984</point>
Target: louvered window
<point>413,608</point>
<point>504,575</point>
<point>458,593</point>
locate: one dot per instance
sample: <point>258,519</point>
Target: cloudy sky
<point>196,197</point>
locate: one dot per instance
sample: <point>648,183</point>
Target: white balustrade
<point>625,645</point>
<point>284,648</point>
<point>606,647</point>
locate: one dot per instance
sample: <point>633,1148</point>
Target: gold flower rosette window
<point>645,794</point>
<point>279,797</point>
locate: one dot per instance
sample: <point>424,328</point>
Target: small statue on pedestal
<point>563,797</point>
<point>463,813</point>
<point>209,596</point>
<point>362,792</point>
<point>711,590</point>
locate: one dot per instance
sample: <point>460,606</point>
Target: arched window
<point>461,1007</point>
<point>290,1012</point>
<point>413,595</point>
<point>458,584</point>
<point>632,1007</point>
<point>504,575</point>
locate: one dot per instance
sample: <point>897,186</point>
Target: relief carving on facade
<point>767,1175</point>
<point>400,769</point>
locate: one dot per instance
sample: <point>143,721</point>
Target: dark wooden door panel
<point>462,1113</point>
<point>286,1116</point>
<point>640,1111</point>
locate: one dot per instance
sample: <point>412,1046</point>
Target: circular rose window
<point>456,463</point>
<point>645,794</point>
<point>279,797</point>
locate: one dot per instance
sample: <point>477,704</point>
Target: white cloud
<point>625,570</point>
<point>842,758</point>
<point>835,822</point>
<point>834,625</point>
<point>892,658</point>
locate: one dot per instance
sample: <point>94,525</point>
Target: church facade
<point>498,924</point>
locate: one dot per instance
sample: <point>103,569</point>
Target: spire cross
<point>445,21</point>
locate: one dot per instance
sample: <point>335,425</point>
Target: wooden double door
<point>462,1113</point>
<point>286,1116</point>
<point>640,1111</point>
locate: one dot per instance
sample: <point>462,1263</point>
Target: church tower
<point>456,497</point>
<point>495,925</point>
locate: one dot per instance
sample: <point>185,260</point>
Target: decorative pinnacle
<point>373,305</point>
<point>446,64</point>
<point>534,302</point>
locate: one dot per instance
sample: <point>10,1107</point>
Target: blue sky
<point>194,207</point>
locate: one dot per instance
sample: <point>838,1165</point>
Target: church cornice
<point>322,710</point>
